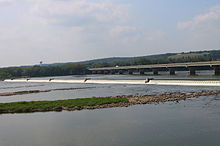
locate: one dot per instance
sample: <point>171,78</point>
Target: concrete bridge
<point>192,67</point>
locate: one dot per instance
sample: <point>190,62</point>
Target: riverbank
<point>58,105</point>
<point>98,102</point>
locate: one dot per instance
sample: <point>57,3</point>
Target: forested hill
<point>155,59</point>
<point>74,68</point>
<point>159,58</point>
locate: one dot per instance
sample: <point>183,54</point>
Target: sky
<point>75,30</point>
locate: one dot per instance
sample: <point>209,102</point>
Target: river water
<point>194,122</point>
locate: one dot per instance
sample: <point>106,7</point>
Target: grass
<point>38,91</point>
<point>27,92</point>
<point>58,105</point>
<point>22,92</point>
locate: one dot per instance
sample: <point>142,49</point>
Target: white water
<point>139,82</point>
<point>185,82</point>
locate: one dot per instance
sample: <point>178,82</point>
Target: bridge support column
<point>172,72</point>
<point>106,72</point>
<point>120,72</point>
<point>112,72</point>
<point>101,72</point>
<point>192,71</point>
<point>94,72</point>
<point>155,72</point>
<point>130,72</point>
<point>142,72</point>
<point>217,70</point>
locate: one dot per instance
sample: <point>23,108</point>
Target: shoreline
<point>98,102</point>
<point>39,91</point>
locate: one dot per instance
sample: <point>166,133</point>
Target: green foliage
<point>39,71</point>
<point>27,92</point>
<point>33,106</point>
<point>78,69</point>
<point>163,59</point>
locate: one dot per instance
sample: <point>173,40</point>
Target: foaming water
<point>179,82</point>
<point>102,86</point>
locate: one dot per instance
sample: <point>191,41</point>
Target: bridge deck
<point>170,65</point>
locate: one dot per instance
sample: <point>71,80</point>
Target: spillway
<point>151,82</point>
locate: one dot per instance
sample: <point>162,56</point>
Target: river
<point>194,122</point>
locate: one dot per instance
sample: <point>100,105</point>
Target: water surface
<point>194,122</point>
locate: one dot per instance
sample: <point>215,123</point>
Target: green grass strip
<point>58,105</point>
<point>26,92</point>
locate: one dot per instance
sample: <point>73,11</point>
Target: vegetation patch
<point>58,105</point>
<point>98,103</point>
<point>39,91</point>
<point>21,92</point>
<point>189,55</point>
<point>81,68</point>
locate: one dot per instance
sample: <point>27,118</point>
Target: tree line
<point>148,61</point>
<point>80,69</point>
<point>42,71</point>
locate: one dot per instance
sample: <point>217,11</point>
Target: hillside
<point>154,59</point>
<point>196,55</point>
<point>76,68</point>
<point>116,59</point>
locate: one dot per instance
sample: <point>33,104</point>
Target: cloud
<point>122,30</point>
<point>78,12</point>
<point>155,35</point>
<point>6,1</point>
<point>71,30</point>
<point>67,30</point>
<point>211,16</point>
<point>203,31</point>
<point>131,34</point>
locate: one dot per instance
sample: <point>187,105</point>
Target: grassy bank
<point>58,105</point>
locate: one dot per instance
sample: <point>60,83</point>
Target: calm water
<point>194,122</point>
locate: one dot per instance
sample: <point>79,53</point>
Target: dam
<point>176,82</point>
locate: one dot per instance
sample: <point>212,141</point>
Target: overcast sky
<point>75,30</point>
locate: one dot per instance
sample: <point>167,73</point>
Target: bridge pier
<point>217,70</point>
<point>112,72</point>
<point>172,71</point>
<point>192,71</point>
<point>142,72</point>
<point>120,72</point>
<point>105,72</point>
<point>116,71</point>
<point>130,72</point>
<point>100,72</point>
<point>155,72</point>
<point>94,72</point>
